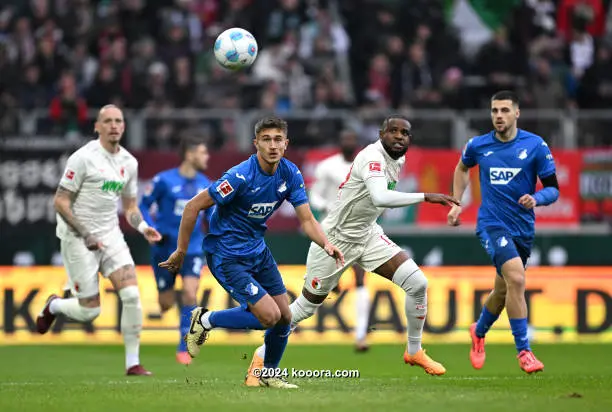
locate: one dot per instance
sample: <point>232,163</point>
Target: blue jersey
<point>246,197</point>
<point>170,192</point>
<point>507,172</point>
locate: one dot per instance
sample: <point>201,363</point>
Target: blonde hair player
<point>96,177</point>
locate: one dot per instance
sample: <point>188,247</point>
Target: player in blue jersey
<point>510,162</point>
<point>245,197</point>
<point>170,191</point>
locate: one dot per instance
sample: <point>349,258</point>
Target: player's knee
<point>515,280</point>
<point>189,297</point>
<point>302,309</point>
<point>411,278</point>
<point>130,296</point>
<point>269,317</point>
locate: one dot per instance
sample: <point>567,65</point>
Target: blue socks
<point>485,321</point>
<point>519,331</point>
<point>184,322</point>
<point>235,318</point>
<point>276,341</point>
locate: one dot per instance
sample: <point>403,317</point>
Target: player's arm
<point>376,183</point>
<point>63,200</point>
<point>130,206</point>
<point>546,171</point>
<point>202,201</point>
<point>69,185</point>
<point>461,180</point>
<point>313,230</point>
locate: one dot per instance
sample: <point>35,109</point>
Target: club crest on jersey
<point>122,171</point>
<point>261,210</point>
<point>522,154</point>
<point>282,187</point>
<point>503,175</point>
<point>316,284</point>
<point>225,188</point>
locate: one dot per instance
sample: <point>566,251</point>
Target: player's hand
<point>92,242</point>
<point>441,199</point>
<point>527,201</point>
<point>334,252</point>
<point>453,216</point>
<point>152,235</point>
<point>174,262</point>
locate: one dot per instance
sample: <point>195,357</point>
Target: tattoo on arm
<point>134,217</point>
<point>64,199</point>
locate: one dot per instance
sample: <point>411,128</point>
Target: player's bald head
<point>106,108</point>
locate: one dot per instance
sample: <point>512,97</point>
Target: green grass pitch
<point>90,378</point>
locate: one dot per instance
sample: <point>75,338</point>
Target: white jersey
<point>329,175</point>
<point>99,179</point>
<point>353,216</point>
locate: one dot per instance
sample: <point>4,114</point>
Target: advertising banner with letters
<point>570,304</point>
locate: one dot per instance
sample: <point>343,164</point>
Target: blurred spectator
<point>596,88</point>
<point>545,89</point>
<point>32,94</point>
<point>67,110</point>
<point>581,15</point>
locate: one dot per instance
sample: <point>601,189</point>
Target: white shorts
<point>322,275</point>
<point>83,265</point>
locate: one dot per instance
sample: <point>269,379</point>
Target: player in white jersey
<point>351,226</point>
<point>329,175</point>
<point>96,177</point>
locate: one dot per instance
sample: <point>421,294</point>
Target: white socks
<point>73,310</point>
<point>302,309</point>
<point>204,319</point>
<point>410,278</point>
<point>131,324</point>
<point>362,306</point>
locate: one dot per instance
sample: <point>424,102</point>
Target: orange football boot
<point>424,361</point>
<point>252,379</point>
<point>477,352</point>
<point>529,363</point>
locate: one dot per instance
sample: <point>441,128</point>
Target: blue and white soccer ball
<point>236,49</point>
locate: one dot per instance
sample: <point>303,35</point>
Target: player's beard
<point>348,153</point>
<point>395,154</point>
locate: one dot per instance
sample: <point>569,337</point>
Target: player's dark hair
<point>189,143</point>
<point>506,95</point>
<point>385,122</point>
<point>271,122</point>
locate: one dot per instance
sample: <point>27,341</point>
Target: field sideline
<point>90,378</point>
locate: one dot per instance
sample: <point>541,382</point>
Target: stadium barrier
<point>569,304</point>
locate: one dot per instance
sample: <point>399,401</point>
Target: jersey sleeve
<point>372,165</point>
<point>74,173</point>
<point>297,196</point>
<point>153,192</point>
<point>545,163</point>
<point>468,156</point>
<point>225,189</point>
<point>131,187</point>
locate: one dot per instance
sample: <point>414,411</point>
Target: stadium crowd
<point>66,56</point>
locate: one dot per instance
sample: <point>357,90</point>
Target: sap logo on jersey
<point>503,175</point>
<point>261,210</point>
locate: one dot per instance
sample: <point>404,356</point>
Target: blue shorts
<point>192,266</point>
<point>501,246</point>
<point>247,280</point>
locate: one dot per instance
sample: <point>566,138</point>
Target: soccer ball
<point>236,49</point>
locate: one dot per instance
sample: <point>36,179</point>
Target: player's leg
<point>82,269</point>
<point>510,259</point>
<point>164,280</point>
<point>383,257</point>
<point>492,308</point>
<point>118,266</point>
<point>321,278</point>
<point>362,308</point>
<point>191,282</point>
